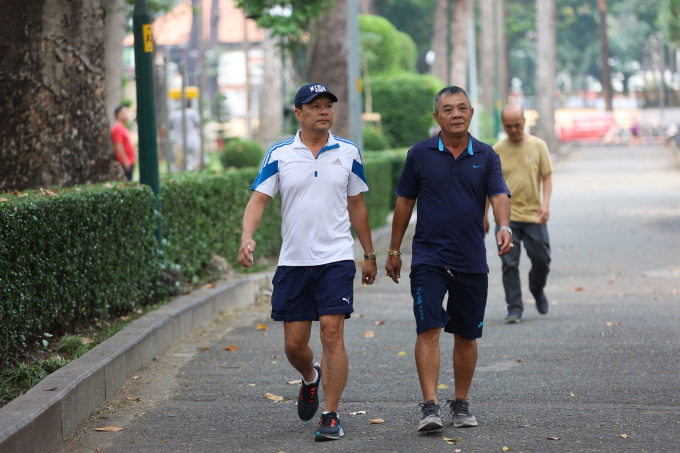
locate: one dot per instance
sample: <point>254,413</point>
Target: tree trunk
<point>545,72</point>
<point>451,58</point>
<point>54,128</point>
<point>604,46</point>
<point>271,99</point>
<point>487,63</point>
<point>114,33</point>
<point>366,7</point>
<point>503,71</point>
<point>329,63</point>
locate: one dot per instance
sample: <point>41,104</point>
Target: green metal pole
<point>146,114</point>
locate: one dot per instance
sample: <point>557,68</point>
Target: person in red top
<point>125,150</point>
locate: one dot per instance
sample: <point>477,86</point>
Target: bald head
<point>512,117</point>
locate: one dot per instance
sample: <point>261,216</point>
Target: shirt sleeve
<point>495,183</point>
<point>267,180</point>
<point>545,162</point>
<point>357,178</point>
<point>407,186</point>
<point>116,135</point>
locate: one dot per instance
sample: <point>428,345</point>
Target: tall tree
<point>328,63</point>
<point>545,72</point>
<point>54,128</point>
<point>450,41</point>
<point>604,48</point>
<point>271,99</point>
<point>487,64</point>
<point>114,33</point>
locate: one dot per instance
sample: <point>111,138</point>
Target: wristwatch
<point>372,256</point>
<point>507,228</point>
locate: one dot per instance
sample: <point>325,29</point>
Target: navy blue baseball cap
<point>309,92</point>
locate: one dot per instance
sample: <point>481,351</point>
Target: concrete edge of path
<point>43,416</point>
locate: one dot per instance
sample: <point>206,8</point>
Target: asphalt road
<point>599,373</point>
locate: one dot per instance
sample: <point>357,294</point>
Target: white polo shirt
<point>315,225</point>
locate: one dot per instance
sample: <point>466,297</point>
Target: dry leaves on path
<point>109,429</point>
<point>369,334</point>
<point>376,421</point>
<point>273,397</point>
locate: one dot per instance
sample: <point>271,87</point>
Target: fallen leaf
<point>132,399</point>
<point>135,377</point>
<point>295,382</point>
<point>252,385</point>
<point>612,324</point>
<point>506,448</point>
<point>376,421</point>
<point>108,185</point>
<point>358,315</point>
<point>87,340</point>
<point>261,327</point>
<point>378,323</point>
<point>137,311</point>
<point>209,286</point>
<point>125,318</point>
<point>553,438</point>
<point>15,209</point>
<point>402,352</point>
<point>230,348</point>
<point>452,441</point>
<point>274,357</point>
<point>3,199</point>
<point>573,394</point>
<point>580,288</point>
<point>273,397</point>
<point>520,360</point>
<point>50,390</point>
<point>369,334</point>
<point>16,192</point>
<point>625,436</point>
<point>109,428</point>
<point>357,413</point>
<point>204,348</point>
<point>443,386</point>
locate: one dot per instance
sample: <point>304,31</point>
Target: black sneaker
<point>514,317</point>
<point>460,411</point>
<point>542,304</point>
<point>329,428</point>
<point>308,402</point>
<point>432,417</point>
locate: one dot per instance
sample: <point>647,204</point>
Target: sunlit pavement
<point>598,373</point>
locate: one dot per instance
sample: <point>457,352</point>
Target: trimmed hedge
<point>77,256</point>
<point>91,252</point>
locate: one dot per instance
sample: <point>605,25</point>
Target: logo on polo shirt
<point>337,162</point>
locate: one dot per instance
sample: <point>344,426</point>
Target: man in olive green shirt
<point>527,171</point>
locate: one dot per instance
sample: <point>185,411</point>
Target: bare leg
<point>334,362</point>
<point>298,352</point>
<point>427,362</point>
<point>464,363</point>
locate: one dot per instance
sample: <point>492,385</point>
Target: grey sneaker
<point>432,417</point>
<point>514,317</point>
<point>308,402</point>
<point>460,411</point>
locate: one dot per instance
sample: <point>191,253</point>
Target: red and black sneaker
<point>329,428</point>
<point>308,402</point>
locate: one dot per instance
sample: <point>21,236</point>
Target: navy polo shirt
<point>451,197</point>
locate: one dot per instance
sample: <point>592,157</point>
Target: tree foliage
<point>380,45</point>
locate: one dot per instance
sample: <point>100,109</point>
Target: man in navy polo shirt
<point>321,181</point>
<point>450,175</point>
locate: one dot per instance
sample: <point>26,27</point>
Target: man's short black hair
<point>448,91</point>
<point>117,110</point>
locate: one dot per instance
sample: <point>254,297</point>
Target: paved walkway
<point>598,373</point>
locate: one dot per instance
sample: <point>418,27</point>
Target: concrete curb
<point>39,419</point>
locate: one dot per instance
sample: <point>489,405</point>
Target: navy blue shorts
<point>303,293</point>
<point>464,314</point>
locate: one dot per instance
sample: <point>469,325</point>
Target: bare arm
<point>402,216</point>
<point>358,217</point>
<point>252,216</point>
<point>501,212</point>
<point>120,152</point>
<point>486,218</point>
<point>544,210</point>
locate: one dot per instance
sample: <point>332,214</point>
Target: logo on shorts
<point>480,325</point>
<point>346,300</point>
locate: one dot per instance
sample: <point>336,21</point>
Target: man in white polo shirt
<point>321,181</point>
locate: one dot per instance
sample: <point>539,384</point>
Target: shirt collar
<point>331,143</point>
<point>469,148</point>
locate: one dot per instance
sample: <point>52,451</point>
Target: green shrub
<point>374,140</point>
<point>405,102</point>
<point>380,42</point>
<point>242,153</point>
<point>408,53</point>
<point>79,255</point>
